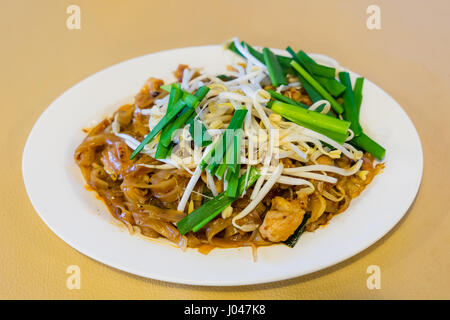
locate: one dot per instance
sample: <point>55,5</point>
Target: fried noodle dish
<point>255,156</point>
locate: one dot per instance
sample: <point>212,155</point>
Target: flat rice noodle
<point>216,226</point>
<point>149,232</point>
<point>165,229</point>
<point>167,215</point>
<point>318,205</point>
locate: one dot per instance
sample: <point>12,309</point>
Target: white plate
<point>56,187</point>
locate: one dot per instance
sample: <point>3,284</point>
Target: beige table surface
<point>409,58</point>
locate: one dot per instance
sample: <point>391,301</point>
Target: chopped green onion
<point>352,103</point>
<point>229,174</point>
<point>187,97</point>
<point>219,152</point>
<point>201,92</point>
<point>175,94</point>
<point>210,209</point>
<point>212,168</point>
<point>283,98</point>
<point>316,69</point>
<point>273,66</point>
<point>358,92</point>
<point>336,106</point>
<point>235,160</point>
<point>166,87</point>
<point>180,121</point>
<point>191,100</point>
<point>236,122</point>
<point>293,239</point>
<point>220,172</point>
<point>232,155</point>
<point>365,143</point>
<point>167,134</point>
<point>200,140</point>
<point>224,165</point>
<point>161,152</point>
<point>258,55</point>
<point>312,66</point>
<point>283,61</point>
<point>350,110</point>
<point>331,127</point>
<point>225,78</point>
<point>233,48</point>
<point>312,93</point>
<point>307,63</point>
<point>161,124</point>
<point>233,183</point>
<point>332,85</point>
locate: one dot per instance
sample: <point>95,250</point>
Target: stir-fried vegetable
<point>351,112</point>
<point>183,118</point>
<point>233,183</point>
<point>174,96</point>
<point>365,143</point>
<point>210,209</point>
<point>322,74</point>
<point>276,73</point>
<point>352,104</point>
<point>164,122</point>
<point>358,92</point>
<point>331,127</point>
<point>231,160</point>
<point>293,239</point>
<point>185,105</point>
<point>283,98</point>
<point>324,93</point>
<point>312,66</point>
<point>282,60</point>
<point>215,156</point>
<point>195,126</point>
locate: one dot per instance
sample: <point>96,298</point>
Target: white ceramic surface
<point>56,187</point>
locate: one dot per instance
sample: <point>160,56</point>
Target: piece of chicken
<point>283,218</point>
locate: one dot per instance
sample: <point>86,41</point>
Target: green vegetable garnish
<point>358,92</point>
<point>352,104</point>
<point>161,124</point>
<point>365,143</point>
<point>283,98</point>
<point>332,85</point>
<point>315,68</point>
<point>210,209</point>
<point>232,155</point>
<point>293,239</point>
<point>217,152</point>
<point>183,118</point>
<point>331,127</point>
<point>224,77</point>
<point>195,126</point>
<point>324,93</point>
<point>233,183</point>
<point>276,73</point>
<point>175,95</point>
<point>350,109</point>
